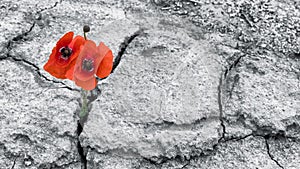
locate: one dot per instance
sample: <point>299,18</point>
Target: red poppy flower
<point>63,56</point>
<point>92,60</point>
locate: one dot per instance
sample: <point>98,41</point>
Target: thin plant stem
<point>84,105</point>
<point>84,34</point>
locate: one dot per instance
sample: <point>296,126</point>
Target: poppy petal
<point>51,58</point>
<point>70,71</point>
<point>103,49</point>
<point>89,52</point>
<point>77,42</point>
<point>51,68</point>
<point>76,45</point>
<point>65,40</point>
<point>90,84</point>
<point>106,64</point>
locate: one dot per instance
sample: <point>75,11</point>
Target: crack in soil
<point>236,79</point>
<point>220,103</point>
<point>169,125</point>
<point>37,70</point>
<point>91,96</point>
<point>21,36</point>
<point>123,48</point>
<point>225,74</point>
<point>95,93</point>
<point>270,155</point>
<point>33,67</point>
<point>215,147</point>
<point>80,149</point>
<point>233,65</point>
<point>51,7</point>
<point>221,107</point>
<point>14,163</point>
<point>265,137</point>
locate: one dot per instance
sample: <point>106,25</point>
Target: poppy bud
<point>86,28</point>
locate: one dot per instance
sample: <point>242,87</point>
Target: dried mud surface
<point>198,84</point>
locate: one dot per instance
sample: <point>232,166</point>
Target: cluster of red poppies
<point>79,60</point>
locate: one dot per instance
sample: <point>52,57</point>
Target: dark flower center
<point>65,52</point>
<point>88,65</point>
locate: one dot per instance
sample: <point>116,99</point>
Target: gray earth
<point>200,84</point>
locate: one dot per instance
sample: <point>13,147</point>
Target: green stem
<point>84,35</point>
<point>84,105</point>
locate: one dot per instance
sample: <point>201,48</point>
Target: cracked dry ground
<point>199,84</point>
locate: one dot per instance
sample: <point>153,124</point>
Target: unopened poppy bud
<point>86,28</point>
